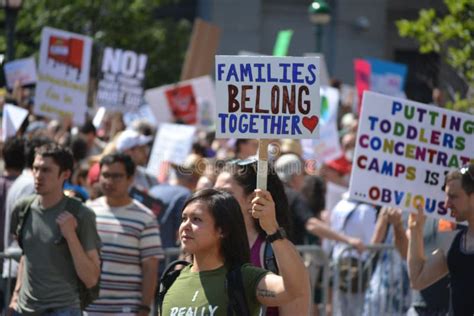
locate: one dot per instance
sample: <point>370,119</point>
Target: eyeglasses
<point>244,162</point>
<point>467,170</point>
<point>113,176</point>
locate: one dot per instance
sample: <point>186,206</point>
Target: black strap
<point>22,216</point>
<point>169,275</point>
<point>236,293</point>
<point>269,260</point>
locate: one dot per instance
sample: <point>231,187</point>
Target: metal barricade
<point>372,283</point>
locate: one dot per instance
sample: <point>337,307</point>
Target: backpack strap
<point>236,293</point>
<point>73,206</point>
<point>22,216</point>
<point>269,260</point>
<point>169,275</point>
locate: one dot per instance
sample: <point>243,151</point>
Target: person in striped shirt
<point>131,244</point>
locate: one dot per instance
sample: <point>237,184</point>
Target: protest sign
<point>201,50</point>
<point>327,147</point>
<point>190,102</point>
<point>63,75</point>
<point>282,43</point>
<point>120,87</point>
<point>404,150</point>
<point>267,97</point>
<point>143,113</point>
<point>21,70</point>
<point>12,118</point>
<point>172,144</point>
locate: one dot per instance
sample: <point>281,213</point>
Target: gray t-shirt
<point>49,277</point>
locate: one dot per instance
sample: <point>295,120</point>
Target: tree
<point>127,24</point>
<point>452,36</point>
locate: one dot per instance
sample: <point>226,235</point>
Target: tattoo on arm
<point>265,293</point>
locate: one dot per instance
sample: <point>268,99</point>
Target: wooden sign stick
<point>262,166</point>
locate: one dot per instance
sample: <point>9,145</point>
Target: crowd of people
<point>76,201</point>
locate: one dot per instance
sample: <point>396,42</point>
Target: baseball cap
<point>129,139</point>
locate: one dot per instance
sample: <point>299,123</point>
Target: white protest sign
<point>63,74</point>
<point>120,88</point>
<point>267,97</point>
<point>172,144</point>
<point>21,70</point>
<point>13,117</point>
<point>143,113</point>
<point>190,102</point>
<point>327,147</point>
<point>404,150</point>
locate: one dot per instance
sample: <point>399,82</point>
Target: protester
<point>59,249</point>
<point>388,290</point>
<point>173,197</point>
<point>212,229</point>
<point>458,259</point>
<point>135,144</point>
<point>240,179</point>
<point>13,154</point>
<point>131,243</point>
<point>23,186</point>
<point>356,220</point>
<point>245,148</point>
<point>289,168</point>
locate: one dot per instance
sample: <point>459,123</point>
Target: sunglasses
<point>467,170</point>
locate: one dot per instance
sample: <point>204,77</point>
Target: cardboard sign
<point>172,144</point>
<point>267,97</point>
<point>63,75</point>
<point>21,70</point>
<point>12,118</point>
<point>327,146</point>
<point>190,102</point>
<point>120,87</point>
<point>201,50</point>
<point>404,150</point>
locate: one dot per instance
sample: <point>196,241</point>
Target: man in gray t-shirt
<point>59,249</point>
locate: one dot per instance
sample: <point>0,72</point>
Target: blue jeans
<point>68,311</point>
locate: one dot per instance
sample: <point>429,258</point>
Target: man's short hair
<point>61,155</point>
<point>122,158</point>
<point>13,153</point>
<point>466,175</point>
<point>287,166</point>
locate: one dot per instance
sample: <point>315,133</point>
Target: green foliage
<point>127,24</point>
<point>451,35</point>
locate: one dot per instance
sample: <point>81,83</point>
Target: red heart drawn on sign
<point>310,122</point>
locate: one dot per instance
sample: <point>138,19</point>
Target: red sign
<point>182,104</point>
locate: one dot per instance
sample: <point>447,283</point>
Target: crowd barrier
<point>336,278</point>
<point>370,284</point>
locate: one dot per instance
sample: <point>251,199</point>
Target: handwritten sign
<point>21,70</point>
<point>327,147</point>
<point>120,87</point>
<point>190,102</point>
<point>172,144</point>
<point>267,97</point>
<point>63,75</point>
<point>404,150</point>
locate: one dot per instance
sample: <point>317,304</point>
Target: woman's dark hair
<point>225,210</point>
<point>314,190</point>
<point>244,172</point>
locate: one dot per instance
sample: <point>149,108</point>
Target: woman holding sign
<point>240,179</point>
<point>213,232</point>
